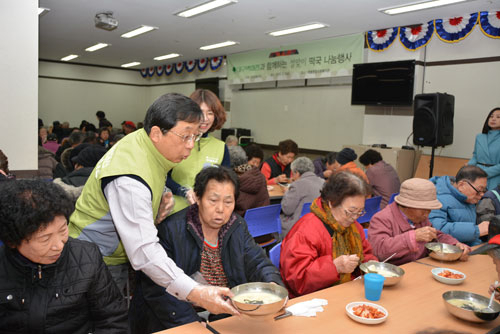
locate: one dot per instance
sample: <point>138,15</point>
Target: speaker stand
<point>431,163</point>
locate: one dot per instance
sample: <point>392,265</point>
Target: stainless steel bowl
<point>384,266</point>
<point>443,252</point>
<point>256,307</point>
<point>471,313</point>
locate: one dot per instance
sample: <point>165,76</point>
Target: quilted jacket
<point>76,294</point>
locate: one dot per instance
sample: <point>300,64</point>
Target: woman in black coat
<point>210,243</point>
<point>50,283</point>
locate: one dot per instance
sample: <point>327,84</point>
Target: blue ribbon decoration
<point>419,43</point>
<point>374,45</point>
<point>454,37</point>
<point>486,27</point>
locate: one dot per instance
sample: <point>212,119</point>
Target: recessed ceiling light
<point>171,55</point>
<point>310,26</point>
<point>141,30</point>
<point>205,7</point>
<point>410,7</point>
<point>218,45</point>
<point>135,63</point>
<point>43,11</point>
<point>97,47</point>
<point>70,57</point>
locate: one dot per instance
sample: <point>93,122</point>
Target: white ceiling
<point>69,26</point>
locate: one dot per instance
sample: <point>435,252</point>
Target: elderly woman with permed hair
<point>51,283</point>
<point>325,247</point>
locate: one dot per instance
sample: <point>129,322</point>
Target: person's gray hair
<point>231,140</point>
<point>237,155</point>
<point>302,165</point>
<point>494,253</point>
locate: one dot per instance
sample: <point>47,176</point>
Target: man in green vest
<point>125,196</point>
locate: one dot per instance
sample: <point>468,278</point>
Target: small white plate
<point>269,188</point>
<point>445,280</point>
<point>362,320</point>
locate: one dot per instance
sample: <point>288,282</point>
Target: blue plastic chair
<point>264,220</point>
<point>306,208</point>
<point>274,255</point>
<point>392,198</point>
<point>372,206</point>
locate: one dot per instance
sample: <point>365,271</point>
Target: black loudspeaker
<point>433,119</point>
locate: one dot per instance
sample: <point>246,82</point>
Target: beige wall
<point>317,117</point>
<point>18,83</point>
<point>474,86</point>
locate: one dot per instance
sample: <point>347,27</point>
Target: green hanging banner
<point>319,59</point>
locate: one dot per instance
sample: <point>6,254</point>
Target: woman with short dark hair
<point>209,242</point>
<point>276,169</point>
<point>325,247</point>
<point>383,178</point>
<point>51,283</point>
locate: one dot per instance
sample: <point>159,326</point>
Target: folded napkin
<point>308,308</point>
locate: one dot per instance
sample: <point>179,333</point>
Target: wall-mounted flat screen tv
<point>387,83</point>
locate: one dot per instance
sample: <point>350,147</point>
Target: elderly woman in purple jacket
<point>403,227</point>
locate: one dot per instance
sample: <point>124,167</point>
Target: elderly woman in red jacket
<point>325,247</point>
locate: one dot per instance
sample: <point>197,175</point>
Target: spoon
<point>488,309</point>
<point>390,257</point>
<point>375,271</point>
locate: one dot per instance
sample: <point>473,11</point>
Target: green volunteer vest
<point>135,154</point>
<point>208,151</point>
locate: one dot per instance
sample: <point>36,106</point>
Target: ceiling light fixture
<point>141,30</point>
<point>134,63</point>
<point>205,7</point>
<point>70,57</point>
<point>43,11</point>
<point>218,45</point>
<point>171,55</point>
<point>410,7</point>
<point>294,30</point>
<point>97,47</point>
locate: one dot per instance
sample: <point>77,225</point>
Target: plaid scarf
<point>345,240</point>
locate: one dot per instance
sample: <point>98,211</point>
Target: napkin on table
<point>308,308</point>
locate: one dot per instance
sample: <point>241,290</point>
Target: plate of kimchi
<point>366,313</point>
<point>448,276</point>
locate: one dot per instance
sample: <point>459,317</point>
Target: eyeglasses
<point>186,138</point>
<point>481,191</point>
<point>353,214</point>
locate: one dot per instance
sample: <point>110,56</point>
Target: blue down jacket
<point>456,217</point>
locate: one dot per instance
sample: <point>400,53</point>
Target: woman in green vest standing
<point>208,151</point>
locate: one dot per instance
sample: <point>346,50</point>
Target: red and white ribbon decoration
<point>169,69</point>
<point>160,70</point>
<point>179,67</point>
<point>215,63</point>
<point>202,64</point>
<point>190,65</point>
<point>455,29</point>
<point>151,71</point>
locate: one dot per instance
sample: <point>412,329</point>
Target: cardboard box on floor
<point>442,166</point>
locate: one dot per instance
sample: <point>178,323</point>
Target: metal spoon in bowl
<point>488,308</point>
<point>375,271</point>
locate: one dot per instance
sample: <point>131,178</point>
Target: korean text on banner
<point>319,59</point>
